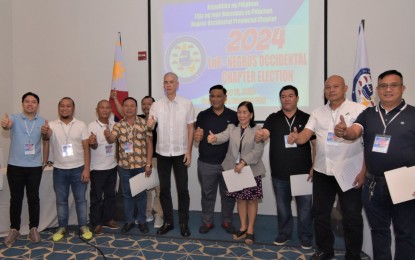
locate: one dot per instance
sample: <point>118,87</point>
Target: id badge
<point>67,150</point>
<point>109,150</point>
<point>238,158</point>
<point>128,147</point>
<point>287,145</point>
<point>332,139</point>
<point>29,148</point>
<point>381,143</point>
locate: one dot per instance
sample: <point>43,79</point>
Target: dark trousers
<point>325,189</point>
<point>164,166</point>
<point>102,195</point>
<point>380,212</point>
<point>210,177</point>
<point>19,178</point>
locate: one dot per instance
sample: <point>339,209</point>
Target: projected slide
<point>253,48</point>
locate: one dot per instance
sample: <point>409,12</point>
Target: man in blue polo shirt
<point>286,160</point>
<point>391,122</point>
<point>209,169</point>
<point>24,169</point>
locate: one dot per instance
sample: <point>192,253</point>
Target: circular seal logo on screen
<point>186,57</point>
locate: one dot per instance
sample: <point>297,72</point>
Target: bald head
<point>335,89</point>
<point>103,110</point>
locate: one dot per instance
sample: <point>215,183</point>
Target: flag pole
<point>119,34</point>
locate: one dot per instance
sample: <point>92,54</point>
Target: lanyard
<point>130,130</point>
<point>27,129</point>
<point>383,121</point>
<point>241,138</point>
<point>66,134</point>
<point>288,123</point>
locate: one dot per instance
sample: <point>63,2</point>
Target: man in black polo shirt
<point>215,119</point>
<point>286,160</point>
<point>391,122</point>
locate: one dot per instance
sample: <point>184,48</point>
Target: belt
<point>377,179</point>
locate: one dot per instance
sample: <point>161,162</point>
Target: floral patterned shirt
<point>132,146</point>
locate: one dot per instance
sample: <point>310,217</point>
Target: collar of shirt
<point>398,107</point>
<point>72,122</point>
<point>25,117</point>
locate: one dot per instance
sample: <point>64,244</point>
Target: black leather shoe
<point>143,228</point>
<point>228,228</point>
<point>205,228</point>
<point>184,230</point>
<point>127,227</point>
<point>320,255</point>
<point>165,228</point>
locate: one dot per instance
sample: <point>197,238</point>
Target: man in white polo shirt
<point>103,171</point>
<point>70,148</point>
<point>330,152</point>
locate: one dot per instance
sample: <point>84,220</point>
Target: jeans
<point>380,211</point>
<point>139,200</point>
<point>19,178</point>
<point>325,189</point>
<point>164,166</point>
<point>62,180</point>
<point>102,196</point>
<point>282,190</point>
<point>210,177</point>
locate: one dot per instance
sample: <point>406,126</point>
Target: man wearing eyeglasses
<point>389,143</point>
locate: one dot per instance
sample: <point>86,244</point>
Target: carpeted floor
<point>217,244</point>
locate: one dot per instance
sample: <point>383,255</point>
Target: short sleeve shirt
<point>287,161</point>
<point>208,120</point>
<point>103,157</point>
<point>64,134</point>
<point>133,136</point>
<point>173,118</point>
<point>401,130</point>
<point>322,122</point>
<point>25,132</point>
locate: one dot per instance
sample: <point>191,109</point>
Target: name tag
<point>332,139</point>
<point>67,150</point>
<point>128,147</point>
<point>109,150</point>
<point>287,145</point>
<point>29,148</point>
<point>381,143</point>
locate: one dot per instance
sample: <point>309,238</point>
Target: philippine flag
<point>119,83</point>
<point>362,82</point>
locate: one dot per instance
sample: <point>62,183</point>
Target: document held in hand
<point>346,171</point>
<point>300,186</point>
<point>140,182</point>
<point>401,184</point>
<point>239,181</point>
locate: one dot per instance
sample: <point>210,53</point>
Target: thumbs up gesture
<point>45,128</point>
<point>341,128</point>
<point>259,135</point>
<point>198,134</point>
<point>6,122</point>
<point>151,122</point>
<point>92,139</point>
<point>211,138</point>
<point>107,133</point>
<point>293,136</point>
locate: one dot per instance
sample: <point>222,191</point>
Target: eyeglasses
<point>392,86</point>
